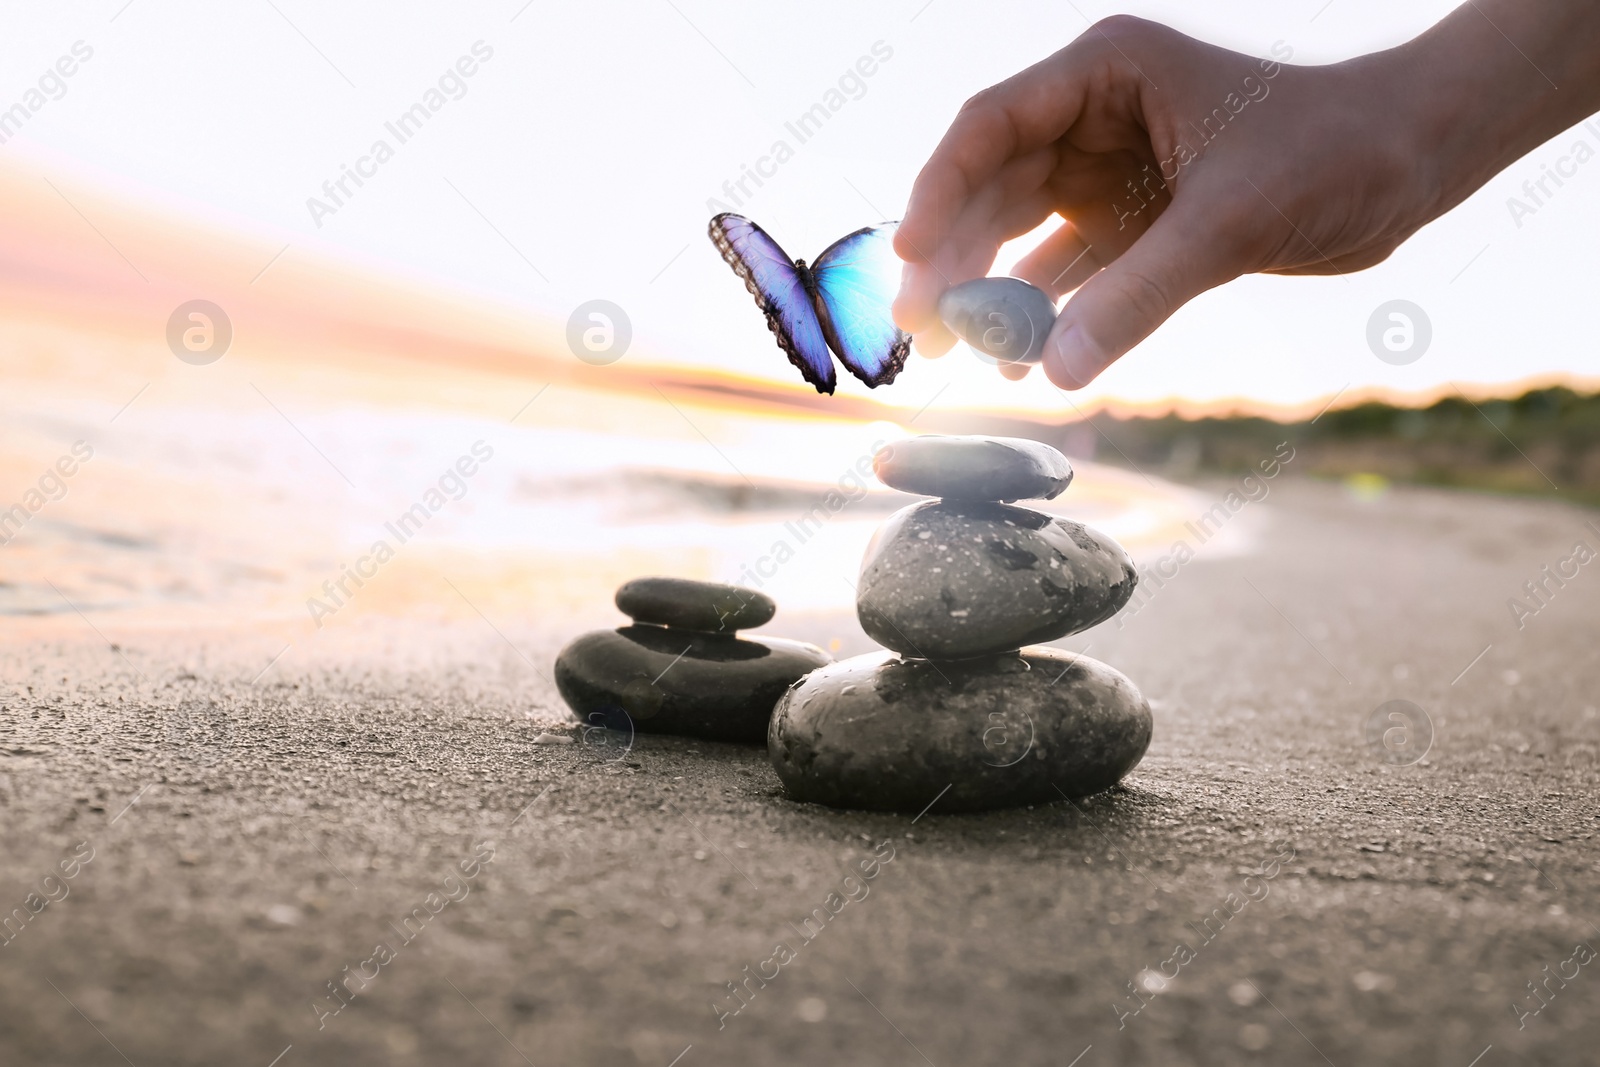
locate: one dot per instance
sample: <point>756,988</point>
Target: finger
<point>1061,263</point>
<point>1019,190</point>
<point>981,239</point>
<point>934,342</point>
<point>1186,251</point>
<point>1014,203</point>
<point>922,283</point>
<point>916,308</point>
<point>1025,112</point>
<point>1015,371</point>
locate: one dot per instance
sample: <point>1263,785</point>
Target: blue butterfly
<point>841,303</point>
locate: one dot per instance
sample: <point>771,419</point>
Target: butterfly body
<point>808,279</point>
<point>840,302</point>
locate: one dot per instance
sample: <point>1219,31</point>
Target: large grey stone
<point>886,733</point>
<point>946,579</point>
<point>973,468</point>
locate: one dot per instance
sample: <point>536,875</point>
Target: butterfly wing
<point>857,278</point>
<point>775,282</point>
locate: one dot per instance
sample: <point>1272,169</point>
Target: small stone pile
<point>681,668</point>
<point>956,586</point>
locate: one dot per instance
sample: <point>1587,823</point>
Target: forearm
<point>1495,79</point>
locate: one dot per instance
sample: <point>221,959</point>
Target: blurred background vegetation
<point>1538,443</point>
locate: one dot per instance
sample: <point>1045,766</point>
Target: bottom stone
<point>658,679</point>
<point>886,733</point>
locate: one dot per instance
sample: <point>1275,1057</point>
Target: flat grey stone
<point>973,468</point>
<point>883,733</point>
<point>1007,319</point>
<point>656,679</point>
<point>946,579</point>
<point>694,605</point>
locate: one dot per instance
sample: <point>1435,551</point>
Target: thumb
<point>1185,252</point>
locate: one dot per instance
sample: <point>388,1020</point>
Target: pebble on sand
<point>885,733</point>
<point>973,468</point>
<point>657,679</point>
<point>949,579</point>
<point>711,607</point>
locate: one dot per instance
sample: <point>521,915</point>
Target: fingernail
<point>1061,355</point>
<point>1076,357</point>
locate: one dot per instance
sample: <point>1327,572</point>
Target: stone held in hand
<point>655,679</point>
<point>973,468</point>
<point>1006,319</point>
<point>694,605</point>
<point>885,733</point>
<point>948,579</point>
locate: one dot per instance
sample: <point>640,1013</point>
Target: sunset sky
<point>578,160</point>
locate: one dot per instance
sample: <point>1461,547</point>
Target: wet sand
<point>255,833</point>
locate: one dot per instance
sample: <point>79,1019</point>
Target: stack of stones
<point>956,587</point>
<point>682,668</point>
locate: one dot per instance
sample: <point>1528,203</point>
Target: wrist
<point>1471,102</point>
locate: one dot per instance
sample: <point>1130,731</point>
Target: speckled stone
<point>973,468</point>
<point>948,579</point>
<point>693,605</point>
<point>660,680</point>
<point>885,733</point>
<point>1006,319</point>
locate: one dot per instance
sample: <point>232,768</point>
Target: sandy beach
<point>255,834</point>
